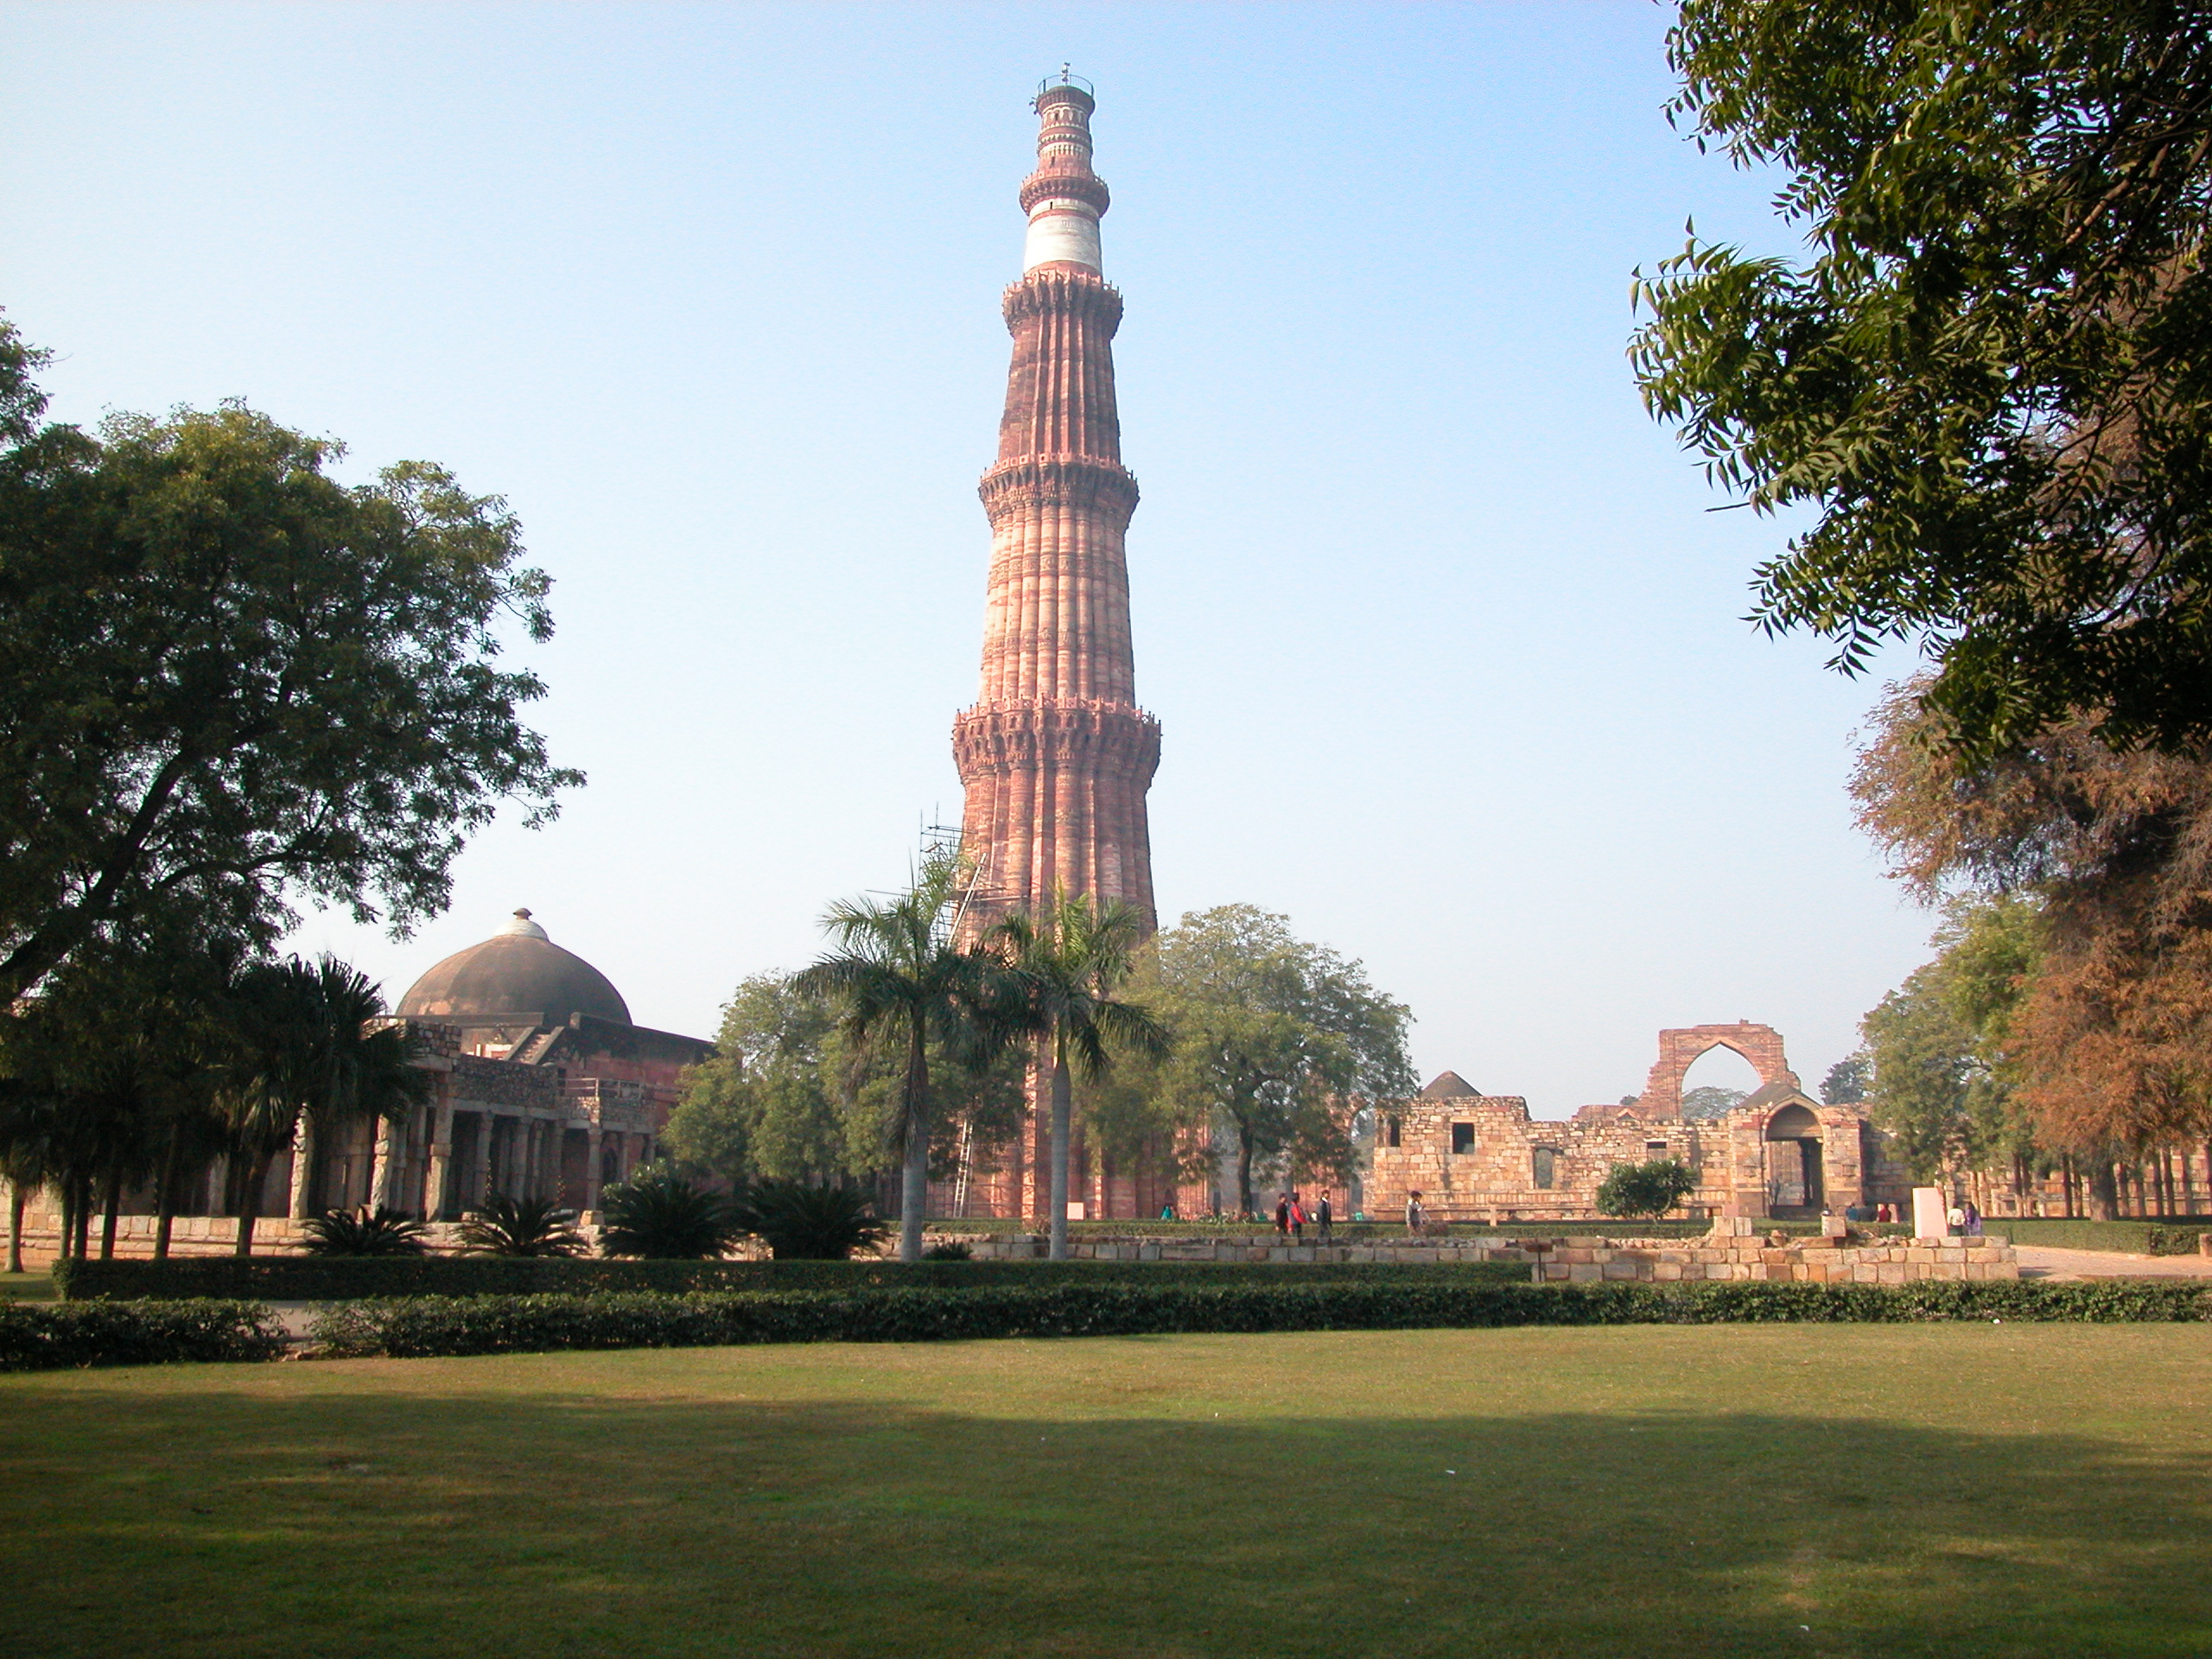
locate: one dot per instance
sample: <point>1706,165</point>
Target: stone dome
<point>518,977</point>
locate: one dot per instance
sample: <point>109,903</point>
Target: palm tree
<point>900,980</point>
<point>1071,958</point>
<point>309,1066</point>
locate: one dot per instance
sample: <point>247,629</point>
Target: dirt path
<point>2039,1262</point>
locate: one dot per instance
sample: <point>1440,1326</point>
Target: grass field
<point>1876,1491</point>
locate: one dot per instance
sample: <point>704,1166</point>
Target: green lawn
<point>1876,1491</point>
<point>37,1287</point>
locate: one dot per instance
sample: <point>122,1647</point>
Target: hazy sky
<point>1448,646</point>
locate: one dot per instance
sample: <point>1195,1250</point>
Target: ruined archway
<point>1761,1045</point>
<point>1796,1183</point>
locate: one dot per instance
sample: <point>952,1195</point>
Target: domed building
<point>545,1088</point>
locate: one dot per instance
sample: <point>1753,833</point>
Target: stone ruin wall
<point>1495,1180</point>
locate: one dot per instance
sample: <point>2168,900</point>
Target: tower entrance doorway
<point>1795,1187</point>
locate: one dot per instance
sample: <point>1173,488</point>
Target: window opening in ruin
<point>1654,1149</point>
<point>1390,1132</point>
<point>1463,1139</point>
<point>1546,1162</point>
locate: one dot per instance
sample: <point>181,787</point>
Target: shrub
<point>952,1250</point>
<point>508,1226</point>
<point>658,1215</point>
<point>1650,1189</point>
<point>809,1224</point>
<point>490,1324</point>
<point>364,1232</point>
<point>43,1337</point>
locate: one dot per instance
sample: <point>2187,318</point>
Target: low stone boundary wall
<point>1810,1260</point>
<point>1578,1259</point>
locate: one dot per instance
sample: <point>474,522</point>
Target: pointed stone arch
<point>1682,1048</point>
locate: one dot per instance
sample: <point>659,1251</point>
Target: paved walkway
<point>2038,1263</point>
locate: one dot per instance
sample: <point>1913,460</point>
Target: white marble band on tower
<point>1061,230</point>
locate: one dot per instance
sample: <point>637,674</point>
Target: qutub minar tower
<point>1055,756</point>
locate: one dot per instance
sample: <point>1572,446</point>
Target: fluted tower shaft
<point>1056,757</point>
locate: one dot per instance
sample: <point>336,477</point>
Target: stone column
<point>591,1138</point>
<point>439,1167</point>
<point>385,1167</point>
<point>304,1156</point>
<point>472,1200</point>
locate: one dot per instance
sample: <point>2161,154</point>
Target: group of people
<point>1291,1217</point>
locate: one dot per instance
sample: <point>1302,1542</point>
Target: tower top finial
<point>1063,198</point>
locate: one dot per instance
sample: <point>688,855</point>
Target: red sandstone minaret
<point>1056,756</point>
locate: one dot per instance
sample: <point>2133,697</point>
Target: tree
<point>1846,1083</point>
<point>902,982</point>
<point>2102,971</point>
<point>308,1066</point>
<point>1070,959</point>
<point>1707,1100</point>
<point>227,678</point>
<point>1275,1039</point>
<point>1943,1071</point>
<point>1992,382</point>
<point>1650,1190</point>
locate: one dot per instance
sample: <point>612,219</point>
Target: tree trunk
<point>1062,1112</point>
<point>2104,1192</point>
<point>257,1173</point>
<point>81,1247</point>
<point>14,1226</point>
<point>1243,1170</point>
<point>165,1196</point>
<point>113,1197</point>
<point>2066,1184</point>
<point>914,1186</point>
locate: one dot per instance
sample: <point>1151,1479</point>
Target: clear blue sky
<point>1448,650</point>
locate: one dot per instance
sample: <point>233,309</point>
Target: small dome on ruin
<point>1449,1085</point>
<point>518,977</point>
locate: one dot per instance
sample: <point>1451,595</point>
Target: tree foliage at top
<point>225,677</point>
<point>1992,380</point>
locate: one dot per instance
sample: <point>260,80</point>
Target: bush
<point>658,1215</point>
<point>1648,1189</point>
<point>364,1232</point>
<point>491,1324</point>
<point>523,1227</point>
<point>41,1337</point>
<point>953,1250</point>
<point>809,1224</point>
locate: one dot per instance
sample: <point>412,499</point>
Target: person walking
<point>1297,1217</point>
<point>1412,1214</point>
<point>1326,1217</point>
<point>1282,1217</point>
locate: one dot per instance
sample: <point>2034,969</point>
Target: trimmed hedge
<point>44,1337</point>
<point>2175,1237</point>
<point>332,1279</point>
<point>420,1327</point>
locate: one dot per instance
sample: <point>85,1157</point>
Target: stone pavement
<point>2038,1263</point>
